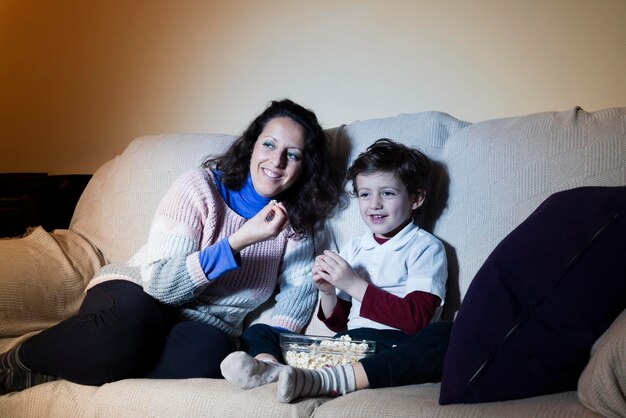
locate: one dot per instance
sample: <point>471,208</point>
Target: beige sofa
<point>490,176</point>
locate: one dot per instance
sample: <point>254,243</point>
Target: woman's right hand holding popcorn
<point>267,224</point>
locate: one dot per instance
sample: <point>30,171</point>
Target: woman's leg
<point>260,361</point>
<point>193,349</point>
<point>117,334</point>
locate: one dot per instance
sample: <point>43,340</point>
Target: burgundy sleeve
<point>338,319</point>
<point>409,314</point>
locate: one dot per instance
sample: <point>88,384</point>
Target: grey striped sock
<point>15,376</point>
<point>247,372</point>
<point>294,383</point>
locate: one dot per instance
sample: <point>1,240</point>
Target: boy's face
<point>384,203</point>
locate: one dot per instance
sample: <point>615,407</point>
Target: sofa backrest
<point>489,176</point>
<point>117,206</point>
<point>427,131</point>
<point>500,170</point>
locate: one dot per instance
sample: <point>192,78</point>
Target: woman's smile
<point>277,158</point>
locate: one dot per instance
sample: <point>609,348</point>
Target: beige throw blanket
<point>42,280</point>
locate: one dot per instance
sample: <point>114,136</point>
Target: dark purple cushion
<point>544,295</point>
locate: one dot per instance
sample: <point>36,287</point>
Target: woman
<point>224,236</point>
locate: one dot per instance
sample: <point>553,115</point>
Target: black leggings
<point>121,332</point>
<point>417,359</point>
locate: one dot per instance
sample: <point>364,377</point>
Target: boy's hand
<point>321,284</point>
<point>267,224</point>
<point>328,296</point>
<point>332,268</point>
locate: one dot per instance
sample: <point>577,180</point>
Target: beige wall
<point>79,79</point>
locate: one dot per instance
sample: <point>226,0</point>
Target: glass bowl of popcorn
<point>312,352</point>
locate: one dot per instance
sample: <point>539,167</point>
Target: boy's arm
<point>425,287</point>
<point>336,271</point>
<point>333,311</point>
<point>328,299</point>
<point>409,314</point>
<point>337,321</point>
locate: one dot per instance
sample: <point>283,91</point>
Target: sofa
<point>489,176</point>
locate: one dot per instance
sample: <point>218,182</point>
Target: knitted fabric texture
<point>192,216</point>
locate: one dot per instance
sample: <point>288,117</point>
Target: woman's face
<point>277,157</point>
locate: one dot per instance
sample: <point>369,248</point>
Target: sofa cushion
<point>42,279</point>
<point>56,399</point>
<point>602,385</point>
<point>427,131</point>
<point>420,401</point>
<point>197,397</point>
<point>117,206</point>
<point>501,170</point>
<point>541,299</point>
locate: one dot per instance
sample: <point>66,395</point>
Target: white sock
<point>294,383</point>
<point>247,372</point>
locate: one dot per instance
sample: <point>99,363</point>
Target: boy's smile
<point>384,203</point>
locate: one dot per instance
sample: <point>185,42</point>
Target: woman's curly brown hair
<point>316,192</point>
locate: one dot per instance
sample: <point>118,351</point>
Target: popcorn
<point>270,215</point>
<point>326,352</point>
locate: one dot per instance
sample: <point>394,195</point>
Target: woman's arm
<point>267,224</point>
<point>171,268</point>
<point>224,256</point>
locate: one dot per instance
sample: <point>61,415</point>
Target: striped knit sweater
<point>193,216</point>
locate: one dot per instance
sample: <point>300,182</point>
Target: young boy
<point>387,286</point>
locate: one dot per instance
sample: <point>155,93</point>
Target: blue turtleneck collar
<point>245,202</point>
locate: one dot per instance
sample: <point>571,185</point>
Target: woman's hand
<point>334,270</point>
<point>267,224</point>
